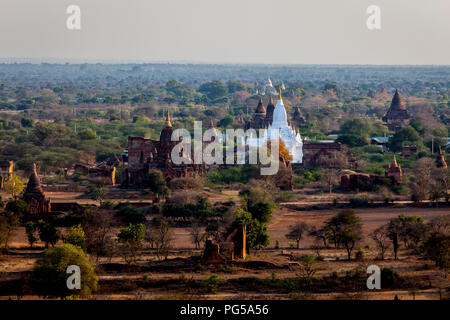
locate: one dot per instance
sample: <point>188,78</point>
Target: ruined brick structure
<point>102,170</point>
<point>351,180</point>
<point>298,117</point>
<point>233,247</point>
<point>397,116</point>
<point>394,171</point>
<point>325,154</point>
<point>408,151</point>
<point>145,155</point>
<point>35,196</point>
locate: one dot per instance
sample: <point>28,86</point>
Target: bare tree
<point>197,234</point>
<point>163,239</point>
<point>332,172</point>
<point>440,184</point>
<point>381,238</point>
<point>296,232</point>
<point>97,227</point>
<point>421,184</point>
<point>329,178</point>
<point>320,235</point>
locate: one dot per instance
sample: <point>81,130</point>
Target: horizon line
<point>20,60</point>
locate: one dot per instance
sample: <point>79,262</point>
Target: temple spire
<point>397,101</point>
<point>394,161</point>
<point>279,94</point>
<point>168,122</point>
<point>260,107</point>
<point>440,159</point>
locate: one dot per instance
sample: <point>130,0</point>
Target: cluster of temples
<point>145,155</point>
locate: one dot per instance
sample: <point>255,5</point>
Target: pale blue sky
<point>229,31</point>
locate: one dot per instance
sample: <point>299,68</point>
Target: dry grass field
<point>265,274</point>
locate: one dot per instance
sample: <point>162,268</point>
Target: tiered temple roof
<point>34,195</point>
<point>397,115</point>
<point>269,112</point>
<point>34,185</point>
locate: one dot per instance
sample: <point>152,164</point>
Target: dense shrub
<point>49,277</point>
<point>130,214</point>
<point>184,183</point>
<point>77,237</point>
<point>389,278</point>
<point>359,202</point>
<point>212,283</point>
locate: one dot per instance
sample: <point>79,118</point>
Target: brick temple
<point>145,155</point>
<point>397,116</point>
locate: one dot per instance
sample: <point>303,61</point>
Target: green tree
<point>48,233</point>
<point>9,222</point>
<point>27,122</point>
<point>76,236</point>
<point>131,239</point>
<point>405,136</point>
<point>356,127</point>
<point>13,185</point>
<point>329,86</point>
<point>262,210</point>
<point>257,236</point>
<point>17,206</point>
<point>226,121</point>
<point>234,86</point>
<point>87,134</point>
<point>307,267</point>
<point>49,277</point>
<point>213,90</point>
<point>30,230</point>
<point>412,230</point>
<point>351,140</point>
<point>345,229</point>
<point>417,124</point>
<point>156,183</point>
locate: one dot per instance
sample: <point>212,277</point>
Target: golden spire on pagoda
<point>168,123</point>
<point>279,94</point>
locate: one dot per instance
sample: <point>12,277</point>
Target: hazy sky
<point>229,31</point>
